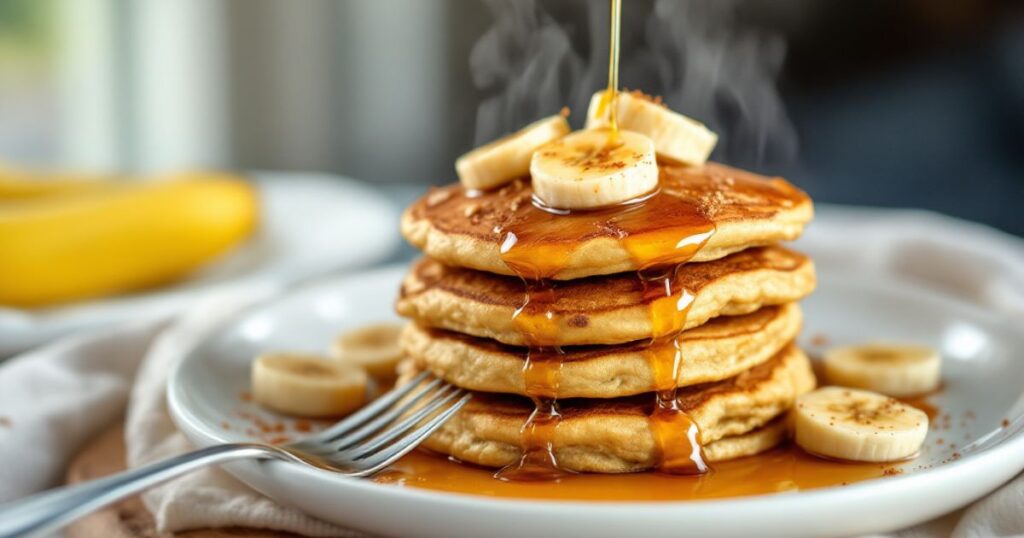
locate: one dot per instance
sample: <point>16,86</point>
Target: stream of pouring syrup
<point>609,101</point>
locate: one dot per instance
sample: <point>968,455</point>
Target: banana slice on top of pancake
<point>505,159</point>
<point>594,168</point>
<point>674,135</point>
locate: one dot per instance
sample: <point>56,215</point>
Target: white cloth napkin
<point>55,399</point>
<point>210,497</point>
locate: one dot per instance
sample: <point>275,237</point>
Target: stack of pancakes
<point>605,321</point>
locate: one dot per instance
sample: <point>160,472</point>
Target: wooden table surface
<point>129,518</point>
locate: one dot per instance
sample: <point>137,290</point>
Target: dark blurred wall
<point>913,103</point>
<point>893,103</point>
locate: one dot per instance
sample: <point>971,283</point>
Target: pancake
<point>719,349</point>
<point>470,228</point>
<point>601,310</point>
<point>615,436</point>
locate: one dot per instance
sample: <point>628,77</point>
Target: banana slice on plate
<point>858,425</point>
<point>594,168</point>
<point>373,348</point>
<point>675,136</point>
<point>505,159</point>
<point>899,370</point>
<point>307,385</point>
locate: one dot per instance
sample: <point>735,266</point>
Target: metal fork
<point>359,445</point>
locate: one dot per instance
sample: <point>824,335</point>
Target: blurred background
<point>913,103</point>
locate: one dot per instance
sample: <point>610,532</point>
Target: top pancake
<point>725,208</point>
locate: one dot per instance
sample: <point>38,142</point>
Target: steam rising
<point>694,53</point>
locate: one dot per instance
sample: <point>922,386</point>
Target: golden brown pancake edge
<point>719,349</point>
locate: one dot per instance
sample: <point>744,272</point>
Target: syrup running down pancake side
<point>605,310</point>
<point>660,232</point>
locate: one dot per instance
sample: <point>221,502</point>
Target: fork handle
<point>50,510</point>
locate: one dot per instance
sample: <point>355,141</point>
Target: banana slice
<point>675,136</point>
<point>899,370</point>
<point>373,348</point>
<point>594,168</point>
<point>858,425</point>
<point>307,385</point>
<point>507,158</point>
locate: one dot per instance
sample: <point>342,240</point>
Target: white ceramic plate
<point>311,224</point>
<point>984,379</point>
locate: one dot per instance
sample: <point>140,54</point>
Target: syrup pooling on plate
<point>786,468</point>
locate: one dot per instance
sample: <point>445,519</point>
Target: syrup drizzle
<point>676,435</point>
<point>609,101</point>
<point>542,371</point>
<point>538,253</point>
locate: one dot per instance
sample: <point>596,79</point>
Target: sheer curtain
<point>367,88</point>
<point>143,84</point>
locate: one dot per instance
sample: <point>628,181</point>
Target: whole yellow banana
<point>114,240</point>
<point>16,184</point>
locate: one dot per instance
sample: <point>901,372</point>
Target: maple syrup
<point>782,469</point>
<point>609,101</point>
<point>663,230</point>
<point>538,245</point>
<point>675,434</point>
<point>537,462</point>
<point>786,468</point>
